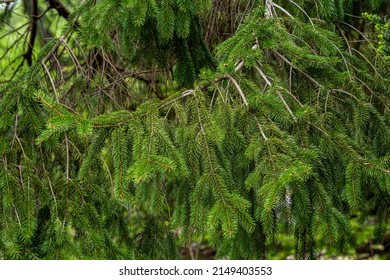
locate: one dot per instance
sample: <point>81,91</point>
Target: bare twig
<point>283,10</point>
<point>51,81</point>
<point>60,8</point>
<point>49,181</point>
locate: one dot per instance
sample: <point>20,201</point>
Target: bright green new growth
<point>284,131</point>
<point>383,28</point>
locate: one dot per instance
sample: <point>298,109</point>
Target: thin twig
<point>283,10</point>
<point>260,128</point>
<point>184,94</point>
<point>239,90</point>
<point>299,7</point>
<point>278,93</point>
<point>360,33</point>
<point>49,181</point>
<point>51,81</point>
<point>33,32</point>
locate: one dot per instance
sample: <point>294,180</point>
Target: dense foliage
<point>132,128</point>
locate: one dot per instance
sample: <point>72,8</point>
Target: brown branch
<point>33,32</point>
<point>60,8</point>
<point>62,11</point>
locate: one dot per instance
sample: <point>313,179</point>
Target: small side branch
<point>260,129</point>
<point>242,95</point>
<point>267,81</point>
<point>51,81</point>
<point>45,59</point>
<point>49,105</point>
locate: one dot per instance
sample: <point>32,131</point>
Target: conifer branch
<point>49,105</point>
<point>49,182</point>
<point>270,11</point>
<point>367,60</point>
<point>72,55</point>
<point>287,114</point>
<point>182,95</point>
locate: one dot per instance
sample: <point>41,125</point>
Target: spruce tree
<point>136,131</point>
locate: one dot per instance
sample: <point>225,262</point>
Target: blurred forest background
<point>195,129</point>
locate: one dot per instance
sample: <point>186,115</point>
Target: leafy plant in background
<point>130,135</point>
<point>382,26</point>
